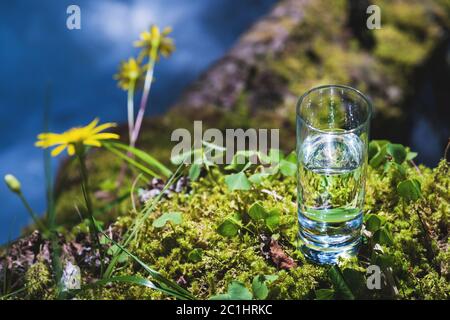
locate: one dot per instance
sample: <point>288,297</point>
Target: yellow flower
<point>89,135</point>
<point>129,71</point>
<point>154,39</point>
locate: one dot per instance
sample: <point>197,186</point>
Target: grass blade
<point>51,212</point>
<point>168,284</point>
<point>137,281</point>
<point>131,161</point>
<point>144,156</point>
<point>138,223</point>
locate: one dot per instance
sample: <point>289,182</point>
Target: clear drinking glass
<point>332,146</point>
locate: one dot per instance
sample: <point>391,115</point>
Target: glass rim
<point>341,86</point>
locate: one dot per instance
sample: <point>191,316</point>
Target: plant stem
<point>33,214</point>
<point>86,194</point>
<point>130,108</point>
<point>447,148</point>
<point>146,91</point>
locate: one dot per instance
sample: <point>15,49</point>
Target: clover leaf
<point>397,152</point>
<point>230,227</point>
<point>410,189</point>
<point>271,218</point>
<point>173,217</point>
<point>195,255</point>
<point>236,291</point>
<point>237,181</point>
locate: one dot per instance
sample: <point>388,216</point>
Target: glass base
<point>326,242</point>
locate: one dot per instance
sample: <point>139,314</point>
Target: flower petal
<point>71,150</point>
<point>92,125</point>
<point>55,152</point>
<point>103,127</point>
<point>104,136</point>
<point>92,142</point>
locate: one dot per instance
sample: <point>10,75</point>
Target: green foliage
<point>410,189</point>
<point>324,294</point>
<point>270,218</point>
<point>237,181</point>
<point>341,288</point>
<point>230,226</point>
<point>259,286</point>
<point>216,244</point>
<point>172,217</point>
<point>195,255</point>
<point>397,152</point>
<point>194,171</point>
<point>236,291</point>
<point>150,163</point>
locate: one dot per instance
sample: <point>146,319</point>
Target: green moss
<point>38,280</point>
<point>396,46</point>
<point>419,275</point>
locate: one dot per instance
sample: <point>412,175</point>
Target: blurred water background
<point>38,51</point>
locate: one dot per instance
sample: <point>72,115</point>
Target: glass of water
<point>332,146</point>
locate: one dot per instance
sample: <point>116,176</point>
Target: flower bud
<point>12,183</point>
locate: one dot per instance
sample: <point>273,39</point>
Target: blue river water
<point>37,51</point>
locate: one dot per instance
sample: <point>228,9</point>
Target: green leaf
<point>127,279</point>
<point>237,181</point>
<point>272,219</point>
<point>259,287</point>
<point>131,161</point>
<point>270,277</point>
<point>194,171</point>
<point>145,157</point>
<point>383,236</point>
<point>400,169</point>
<point>287,168</point>
<point>173,217</point>
<point>257,178</point>
<point>383,260</point>
<point>164,285</point>
<point>410,189</point>
<point>195,255</point>
<point>229,228</point>
<point>373,223</point>
<point>397,151</point>
<point>378,153</point>
<point>257,212</point>
<point>411,155</point>
<point>340,286</point>
<point>103,240</point>
<point>355,280</point>
<point>185,157</point>
<point>324,294</point>
<point>241,160</point>
<point>292,157</point>
<point>373,149</point>
<point>115,250</point>
<point>275,155</point>
<point>236,291</point>
<point>223,296</point>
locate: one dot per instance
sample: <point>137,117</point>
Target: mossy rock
<point>418,255</point>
